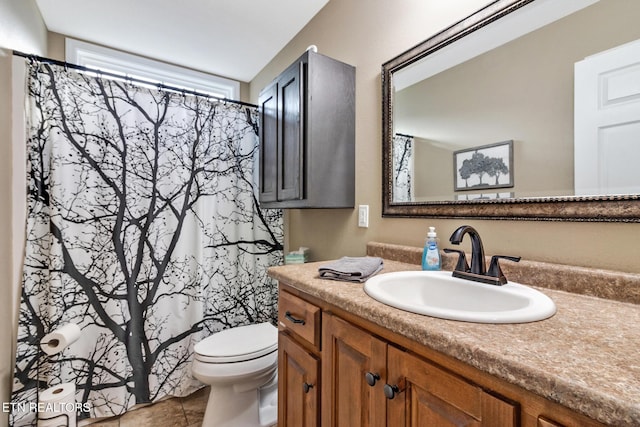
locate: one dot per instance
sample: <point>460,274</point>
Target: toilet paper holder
<point>54,422</point>
<point>52,344</point>
<point>58,407</point>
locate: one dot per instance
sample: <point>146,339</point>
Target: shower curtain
<point>402,168</point>
<point>143,228</point>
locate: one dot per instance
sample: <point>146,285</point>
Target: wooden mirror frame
<point>618,208</point>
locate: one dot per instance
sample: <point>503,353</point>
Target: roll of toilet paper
<point>58,404</point>
<point>56,341</point>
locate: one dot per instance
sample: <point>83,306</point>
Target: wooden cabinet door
<point>290,133</point>
<point>352,359</point>
<point>268,103</point>
<point>422,394</point>
<point>298,390</point>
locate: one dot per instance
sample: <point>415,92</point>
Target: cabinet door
<point>268,103</point>
<point>290,134</point>
<point>421,394</point>
<point>353,372</point>
<point>298,391</point>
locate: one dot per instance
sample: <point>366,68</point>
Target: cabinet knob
<point>289,317</point>
<point>390,391</point>
<point>306,387</point>
<point>371,378</point>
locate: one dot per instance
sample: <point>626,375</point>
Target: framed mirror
<point>508,115</point>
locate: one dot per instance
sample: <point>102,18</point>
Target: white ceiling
<point>230,38</point>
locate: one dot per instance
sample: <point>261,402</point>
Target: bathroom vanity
<point>346,359</point>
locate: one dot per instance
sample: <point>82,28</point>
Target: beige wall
<point>433,171</point>
<point>367,33</point>
<point>22,29</point>
<point>6,267</point>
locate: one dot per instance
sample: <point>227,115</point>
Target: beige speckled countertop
<point>586,357</point>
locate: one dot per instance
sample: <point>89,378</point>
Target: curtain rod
<point>131,79</point>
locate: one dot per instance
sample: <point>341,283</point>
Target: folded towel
<point>351,269</point>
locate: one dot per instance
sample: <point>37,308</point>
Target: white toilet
<point>241,366</point>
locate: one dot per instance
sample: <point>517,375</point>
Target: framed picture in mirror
<point>486,166</point>
<point>484,196</point>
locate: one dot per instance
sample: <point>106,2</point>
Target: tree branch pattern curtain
<point>144,229</point>
<point>402,168</point>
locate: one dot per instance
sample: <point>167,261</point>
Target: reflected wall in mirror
<point>562,84</point>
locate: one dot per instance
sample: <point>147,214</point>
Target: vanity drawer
<point>300,317</point>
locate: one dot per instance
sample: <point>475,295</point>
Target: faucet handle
<point>462,264</point>
<point>494,266</point>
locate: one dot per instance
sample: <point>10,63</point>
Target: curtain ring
<point>32,59</point>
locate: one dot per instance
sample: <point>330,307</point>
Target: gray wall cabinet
<point>307,135</point>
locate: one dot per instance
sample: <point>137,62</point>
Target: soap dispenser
<point>431,254</point>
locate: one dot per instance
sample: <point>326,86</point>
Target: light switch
<point>363,216</point>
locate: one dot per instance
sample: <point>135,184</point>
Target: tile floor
<point>175,412</point>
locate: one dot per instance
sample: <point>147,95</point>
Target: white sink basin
<point>438,294</point>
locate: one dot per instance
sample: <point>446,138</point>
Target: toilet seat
<point>238,344</point>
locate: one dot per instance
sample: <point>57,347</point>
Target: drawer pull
<point>371,378</point>
<point>306,387</point>
<point>290,318</point>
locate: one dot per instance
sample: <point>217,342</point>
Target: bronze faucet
<point>478,271</point>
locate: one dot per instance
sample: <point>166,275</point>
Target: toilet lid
<point>238,344</point>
